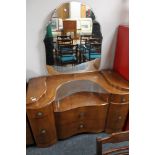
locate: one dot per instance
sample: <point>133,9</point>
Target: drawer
<point>82,113</point>
<point>92,126</point>
<point>29,136</point>
<point>119,98</point>
<point>44,130</point>
<point>116,117</point>
<point>39,113</point>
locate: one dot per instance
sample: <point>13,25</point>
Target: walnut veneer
<point>79,113</point>
<point>55,114</point>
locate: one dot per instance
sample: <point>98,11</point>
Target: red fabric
<point>121,61</point>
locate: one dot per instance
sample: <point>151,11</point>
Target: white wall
<point>75,10</point>
<point>109,13</point>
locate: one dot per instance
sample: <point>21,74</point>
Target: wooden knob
<point>120,117</point>
<point>43,131</point>
<point>39,114</point>
<point>81,126</point>
<point>81,114</point>
<point>112,97</point>
<point>123,99</point>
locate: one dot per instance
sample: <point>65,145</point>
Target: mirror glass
<point>73,39</point>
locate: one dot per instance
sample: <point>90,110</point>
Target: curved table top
<point>42,91</point>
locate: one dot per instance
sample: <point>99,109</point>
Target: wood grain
<point>51,119</point>
<point>115,80</point>
<point>113,138</point>
<point>116,117</point>
<point>53,83</point>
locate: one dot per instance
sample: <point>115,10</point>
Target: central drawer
<point>89,126</point>
<point>81,113</point>
<point>82,119</point>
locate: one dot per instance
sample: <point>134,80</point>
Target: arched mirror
<point>73,39</point>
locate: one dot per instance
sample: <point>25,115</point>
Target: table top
<point>42,91</point>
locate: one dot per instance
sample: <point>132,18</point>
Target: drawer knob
<point>43,131</point>
<point>81,126</point>
<point>81,114</point>
<point>123,99</point>
<point>39,114</point>
<point>120,117</point>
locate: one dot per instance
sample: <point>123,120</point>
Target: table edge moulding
<point>76,102</point>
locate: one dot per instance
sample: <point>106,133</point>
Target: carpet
<point>83,144</point>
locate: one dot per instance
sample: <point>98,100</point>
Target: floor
<point>83,144</point>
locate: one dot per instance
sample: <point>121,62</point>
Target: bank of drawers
<point>117,114</point>
<point>43,126</point>
<point>83,119</point>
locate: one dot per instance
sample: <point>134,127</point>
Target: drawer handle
<point>81,114</point>
<point>39,114</point>
<point>120,117</point>
<point>123,99</point>
<point>81,126</point>
<point>43,131</point>
<point>112,97</point>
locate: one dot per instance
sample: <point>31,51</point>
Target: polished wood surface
<point>79,112</point>
<point>55,81</point>
<point>80,99</point>
<point>85,126</point>
<point>29,135</point>
<point>119,98</point>
<point>116,116</point>
<point>42,123</point>
<point>115,80</point>
<point>85,112</point>
<point>114,138</point>
<point>37,87</point>
<point>53,118</point>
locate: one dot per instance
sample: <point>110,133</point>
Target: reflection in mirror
<point>73,39</point>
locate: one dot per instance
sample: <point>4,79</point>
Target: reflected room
<point>73,39</point>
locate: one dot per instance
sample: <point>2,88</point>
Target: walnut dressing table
<point>61,106</point>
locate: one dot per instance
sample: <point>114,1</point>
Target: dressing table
<point>60,106</point>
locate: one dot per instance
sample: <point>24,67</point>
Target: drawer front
<point>43,130</point>
<point>116,117</point>
<point>29,136</point>
<point>39,113</point>
<point>93,126</point>
<point>119,98</point>
<point>82,113</point>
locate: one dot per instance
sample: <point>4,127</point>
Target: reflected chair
<point>67,54</point>
<point>119,138</point>
<point>64,39</point>
<point>83,46</point>
<point>93,49</point>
